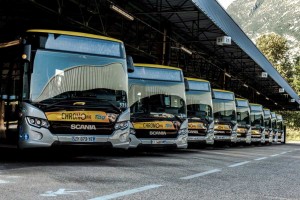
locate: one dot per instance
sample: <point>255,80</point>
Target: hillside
<point>257,17</point>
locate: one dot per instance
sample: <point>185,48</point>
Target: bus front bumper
<point>208,139</point>
<point>41,137</point>
<point>179,142</point>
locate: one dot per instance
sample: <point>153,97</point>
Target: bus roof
<point>254,104</point>
<point>156,66</point>
<point>218,90</point>
<point>196,79</point>
<point>241,99</point>
<point>71,33</point>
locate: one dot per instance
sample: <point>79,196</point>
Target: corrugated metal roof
<point>221,18</point>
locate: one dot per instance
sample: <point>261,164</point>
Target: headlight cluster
<point>121,125</point>
<point>37,122</point>
<point>183,131</point>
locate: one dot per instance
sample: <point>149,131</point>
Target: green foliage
<point>296,79</point>
<point>275,48</point>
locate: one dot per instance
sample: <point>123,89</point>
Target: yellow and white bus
<point>199,111</point>
<point>64,88</point>
<point>257,123</point>
<point>158,107</point>
<point>243,120</point>
<point>225,118</point>
<point>280,128</point>
<point>274,127</point>
<point>268,125</point>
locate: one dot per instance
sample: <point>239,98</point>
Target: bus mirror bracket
<point>186,84</point>
<point>26,53</point>
<point>130,66</point>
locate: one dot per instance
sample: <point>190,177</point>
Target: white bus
<point>64,88</point>
<point>199,111</point>
<point>243,120</point>
<point>225,117</point>
<point>158,107</point>
<point>257,123</point>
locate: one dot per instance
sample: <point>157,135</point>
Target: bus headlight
<point>37,122</point>
<point>183,131</point>
<point>121,125</point>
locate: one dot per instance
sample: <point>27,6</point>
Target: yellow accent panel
<point>196,79</point>
<point>71,33</point>
<point>255,132</point>
<point>196,125</point>
<point>218,90</point>
<point>156,66</point>
<point>266,109</point>
<point>222,127</point>
<point>161,125</point>
<point>78,116</point>
<point>241,130</point>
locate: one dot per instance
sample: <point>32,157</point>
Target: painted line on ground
<point>274,155</point>
<point>261,158</point>
<point>201,174</point>
<point>3,182</point>
<point>127,192</point>
<point>239,164</point>
<point>283,153</point>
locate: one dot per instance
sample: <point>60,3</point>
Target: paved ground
<point>255,172</point>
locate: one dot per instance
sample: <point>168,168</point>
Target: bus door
<point>10,90</point>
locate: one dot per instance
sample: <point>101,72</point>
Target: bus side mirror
<point>26,53</point>
<point>186,84</point>
<point>130,67</point>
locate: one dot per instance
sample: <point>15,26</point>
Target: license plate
<point>83,139</point>
<point>196,138</point>
<point>158,141</point>
<point>222,137</point>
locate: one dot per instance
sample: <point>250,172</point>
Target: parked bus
<point>225,118</point>
<point>158,107</point>
<point>274,127</point>
<point>243,120</point>
<point>280,128</point>
<point>64,88</point>
<point>199,111</point>
<point>268,125</point>
<point>257,123</point>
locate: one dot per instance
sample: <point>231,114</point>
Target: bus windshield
<point>224,110</point>
<point>157,98</point>
<point>257,119</point>
<point>268,123</point>
<point>61,75</point>
<point>243,116</point>
<point>199,104</point>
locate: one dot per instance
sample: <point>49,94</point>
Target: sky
<point>225,3</point>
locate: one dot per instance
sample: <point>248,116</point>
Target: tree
<point>275,48</point>
<point>296,81</point>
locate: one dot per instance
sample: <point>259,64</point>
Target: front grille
<point>145,133</point>
<point>58,128</point>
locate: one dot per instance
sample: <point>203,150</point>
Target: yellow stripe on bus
<point>156,66</point>
<point>71,33</point>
